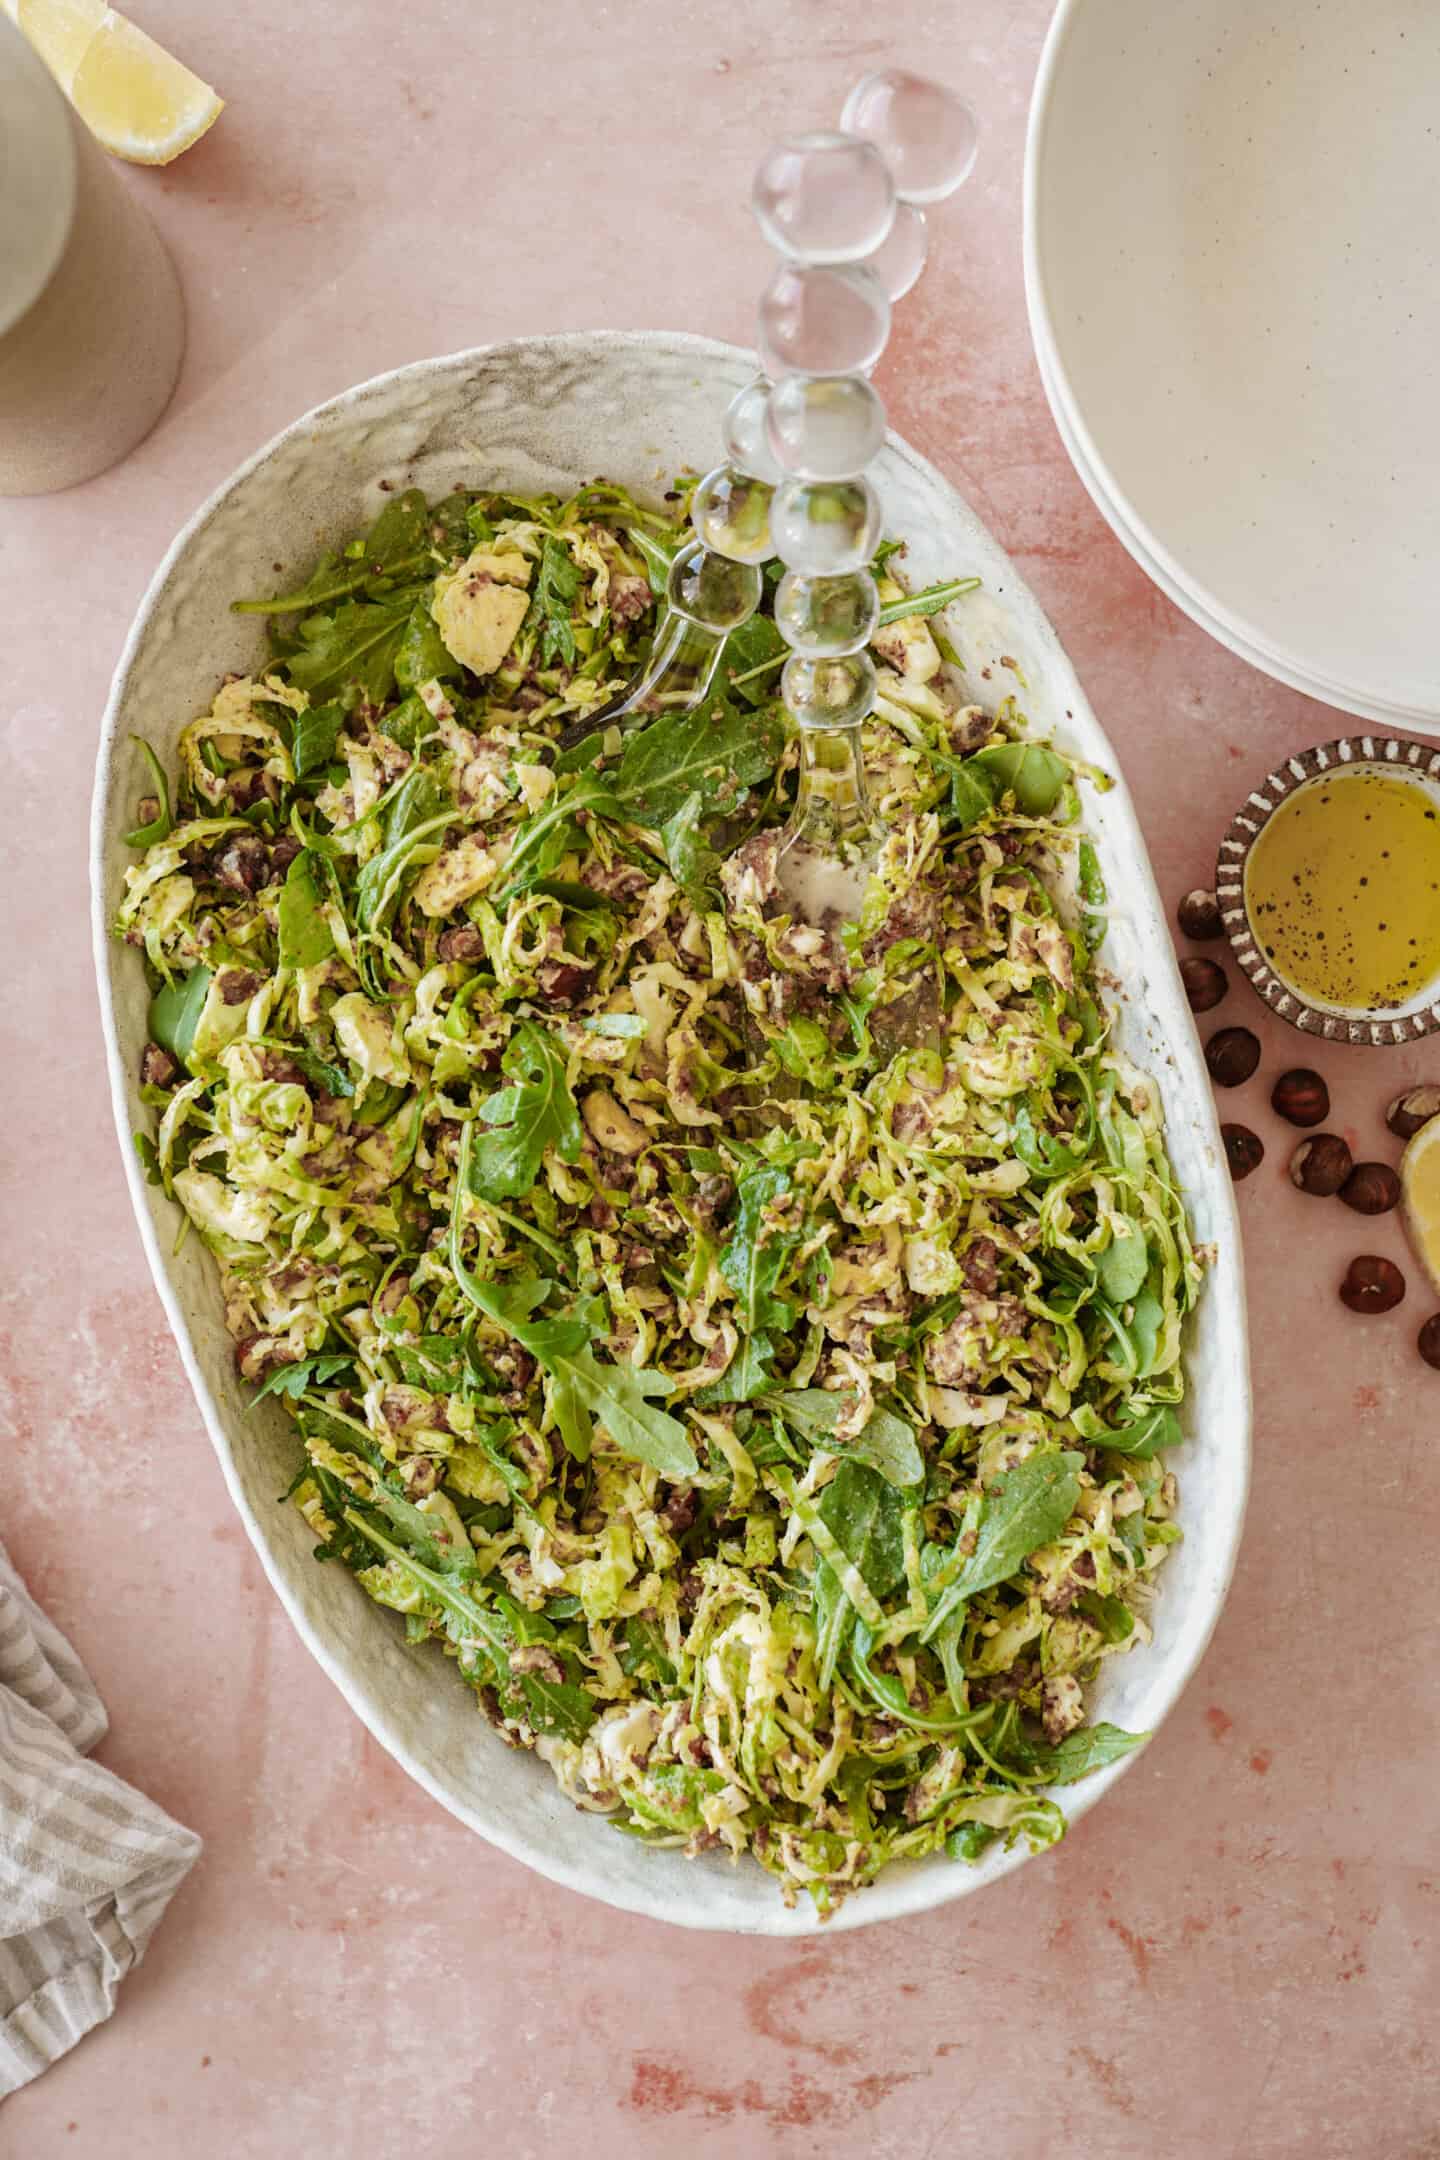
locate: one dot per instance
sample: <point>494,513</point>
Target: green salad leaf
<point>885,1442</point>
<point>535,1112</point>
<point>1024,1509</point>
<point>175,1012</point>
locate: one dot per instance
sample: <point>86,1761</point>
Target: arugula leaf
<point>1147,1434</point>
<point>1026,1508</point>
<point>417,811</point>
<point>691,860</point>
<point>317,730</point>
<point>448,524</point>
<point>395,544</point>
<point>1030,772</point>
<point>293,1381</point>
<point>305,935</point>
<point>423,1534</point>
<point>885,1441</point>
<point>750,657</point>
<point>422,654</point>
<point>413,804</point>
<point>973,791</point>
<point>146,836</point>
<point>866,1518</point>
<point>969,1841</point>
<point>1147,1318</point>
<point>355,644</point>
<point>334,1079</point>
<point>407,722</point>
<point>490,1440</point>
<point>1111,1615</point>
<point>657,556</point>
<point>537,1112</point>
<point>552,603</point>
<point>1091,881</point>
<point>714,752</point>
<point>545,841</point>
<point>890,1692</point>
<point>579,899</point>
<point>711,753</point>
<point>947,1647</point>
<point>1078,1754</point>
<point>754,1259</point>
<point>929,601</point>
<point>1124,1264</point>
<point>1042,1151</point>
<point>149,1157</point>
<point>434,1363</point>
<point>747,1375</point>
<point>175,1012</point>
<point>399,531</point>
<point>618,1396</point>
<point>615,1396</point>
<point>550,1706</point>
<point>331,579</point>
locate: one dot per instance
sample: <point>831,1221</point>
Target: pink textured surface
<point>1238,1951</point>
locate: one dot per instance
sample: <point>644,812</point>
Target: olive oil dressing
<point>1342,888</point>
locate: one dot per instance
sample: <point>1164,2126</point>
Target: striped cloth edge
<point>87,1864</point>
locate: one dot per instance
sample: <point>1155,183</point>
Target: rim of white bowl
<point>1158,562</point>
<point>1311,685</point>
<point>907,1890</point>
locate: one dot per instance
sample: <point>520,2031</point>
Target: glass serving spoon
<point>843,209</point>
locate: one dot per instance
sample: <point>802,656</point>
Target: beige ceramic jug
<point>92,326</point>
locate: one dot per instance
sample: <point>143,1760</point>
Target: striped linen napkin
<point>87,1865</point>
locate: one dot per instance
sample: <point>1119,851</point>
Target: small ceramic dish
<point>1379,1026</point>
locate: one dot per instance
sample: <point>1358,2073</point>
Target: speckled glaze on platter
<point>1386,753</point>
<point>550,412</point>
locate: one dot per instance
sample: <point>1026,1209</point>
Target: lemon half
<point>135,98</point>
<point>1420,1185</point>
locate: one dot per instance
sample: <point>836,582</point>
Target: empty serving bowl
<point>1236,319</point>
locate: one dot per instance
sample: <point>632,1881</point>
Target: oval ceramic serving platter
<point>551,412</point>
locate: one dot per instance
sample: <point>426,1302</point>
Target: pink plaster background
<point>1237,1954</point>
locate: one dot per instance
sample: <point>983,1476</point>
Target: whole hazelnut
<point>1372,1188</point>
<point>1321,1165</point>
<point>1372,1285</point>
<point>1232,1056</point>
<point>1301,1097</point>
<point>1199,916</point>
<point>1411,1110</point>
<point>1205,983</point>
<point>1244,1150</point>
<point>1428,1341</point>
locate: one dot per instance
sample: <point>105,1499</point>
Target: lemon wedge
<point>1420,1187</point>
<point>135,98</point>
<point>59,30</point>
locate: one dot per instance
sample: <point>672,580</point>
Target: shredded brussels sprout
<point>767,1420</point>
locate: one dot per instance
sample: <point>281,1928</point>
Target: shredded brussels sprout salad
<point>767,1422</point>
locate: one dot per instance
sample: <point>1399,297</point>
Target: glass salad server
<point>843,209</point>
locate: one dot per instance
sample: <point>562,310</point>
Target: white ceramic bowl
<point>551,412</point>
<point>1236,319</point>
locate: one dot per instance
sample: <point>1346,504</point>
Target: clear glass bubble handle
<point>840,207</point>
<point>842,212</point>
